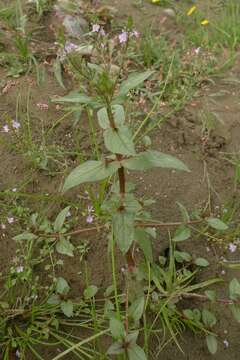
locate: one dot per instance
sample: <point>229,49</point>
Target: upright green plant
<point>124,210</point>
<point>105,91</point>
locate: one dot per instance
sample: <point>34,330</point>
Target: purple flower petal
<point>123,37</point>
<point>96,28</point>
<point>15,124</point>
<point>6,128</point>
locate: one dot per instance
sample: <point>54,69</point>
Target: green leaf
<point>60,219</point>
<point>4,305</point>
<point>188,313</point>
<point>212,343</point>
<point>217,224</point>
<point>131,204</point>
<point>182,256</point>
<point>109,291</point>
<point>75,98</point>
<point>64,247</point>
<point>152,232</point>
<point>123,229</point>
<point>54,299</point>
<point>136,309</point>
<point>145,244</point>
<point>67,308</point>
<point>147,142</point>
<point>234,289</point>
<point>235,311</point>
<point>90,171</point>
<point>108,309</point>
<point>184,212</point>
<point>57,68</point>
<point>116,348</point>
<point>209,319</point>
<point>132,337</point>
<point>182,233</point>
<point>136,353</point>
<point>152,158</point>
<point>118,115</point>
<point>133,81</point>
<point>62,286</point>
<point>201,262</point>
<point>197,314</point>
<point>25,236</point>
<point>119,141</point>
<point>103,120</point>
<point>117,328</point>
<point>90,292</point>
<point>211,294</point>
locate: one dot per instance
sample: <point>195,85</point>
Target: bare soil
<point>210,180</point>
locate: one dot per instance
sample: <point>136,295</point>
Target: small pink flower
<point>123,37</point>
<point>136,34</point>
<point>89,219</point>
<point>102,32</point>
<point>19,269</point>
<point>10,220</point>
<point>96,28</point>
<point>14,189</point>
<point>6,128</point>
<point>232,247</point>
<point>197,51</point>
<point>70,47</point>
<point>226,343</point>
<point>16,125</point>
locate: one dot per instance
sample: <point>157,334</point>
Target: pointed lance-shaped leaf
<point>119,141</point>
<point>123,229</point>
<point>133,81</point>
<point>118,116</point>
<point>90,171</point>
<point>60,219</point>
<point>152,158</point>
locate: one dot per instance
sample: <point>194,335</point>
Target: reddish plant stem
<point>97,228</point>
<point>122,182</point>
<point>126,308</point>
<point>130,260</point>
<point>122,188</point>
<point>122,185</point>
<point>121,177</point>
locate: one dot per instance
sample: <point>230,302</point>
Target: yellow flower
<point>204,22</point>
<point>156,1</point>
<point>191,10</point>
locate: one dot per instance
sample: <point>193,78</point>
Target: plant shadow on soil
<point>180,136</point>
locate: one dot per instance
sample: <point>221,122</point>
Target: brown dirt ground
<point>180,136</point>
